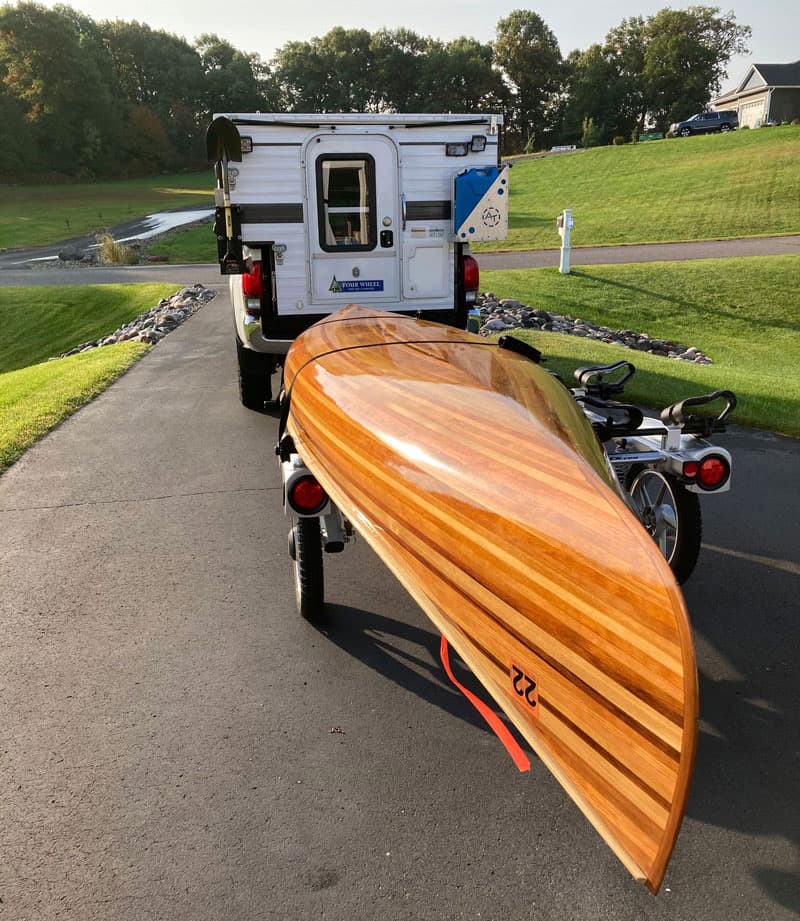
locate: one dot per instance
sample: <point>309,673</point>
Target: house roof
<point>761,76</point>
<point>780,74</point>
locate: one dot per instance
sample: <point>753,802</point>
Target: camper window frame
<point>372,218</point>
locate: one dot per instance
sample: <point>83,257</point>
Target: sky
<point>263,26</point>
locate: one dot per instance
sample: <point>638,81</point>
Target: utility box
<point>480,200</point>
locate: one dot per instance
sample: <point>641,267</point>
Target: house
<point>768,93</point>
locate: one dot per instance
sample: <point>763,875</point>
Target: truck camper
<point>315,212</point>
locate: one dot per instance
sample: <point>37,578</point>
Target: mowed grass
<point>33,215</point>
<point>198,244</point>
<point>37,323</point>
<point>34,399</point>
<point>742,184</point>
<point>744,313</point>
<point>41,322</point>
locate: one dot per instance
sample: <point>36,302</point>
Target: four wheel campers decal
<point>339,287</point>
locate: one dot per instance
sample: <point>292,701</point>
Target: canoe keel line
<point>477,479</point>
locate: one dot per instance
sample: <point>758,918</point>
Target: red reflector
<point>713,472</point>
<point>251,282</point>
<point>472,274</point>
<point>307,496</point>
<point>690,469</point>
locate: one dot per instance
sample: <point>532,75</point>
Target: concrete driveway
<point>176,743</point>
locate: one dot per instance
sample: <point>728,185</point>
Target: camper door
<point>353,222</point>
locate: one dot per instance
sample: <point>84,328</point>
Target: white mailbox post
<point>564,223</point>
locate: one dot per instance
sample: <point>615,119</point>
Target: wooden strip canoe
<point>475,476</point>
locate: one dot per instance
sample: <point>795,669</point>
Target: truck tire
<point>309,578</point>
<point>255,377</point>
<point>671,516</point>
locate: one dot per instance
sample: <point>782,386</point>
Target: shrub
<point>113,253</point>
<point>592,134</point>
<point>618,139</point>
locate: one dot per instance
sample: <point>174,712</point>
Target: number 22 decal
<point>525,687</point>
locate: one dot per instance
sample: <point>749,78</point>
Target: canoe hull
<point>476,478</point>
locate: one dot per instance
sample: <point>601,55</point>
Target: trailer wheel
<point>671,515</point>
<point>305,548</point>
<point>255,373</point>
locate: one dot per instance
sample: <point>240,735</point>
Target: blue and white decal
<point>342,287</point>
<point>480,204</point>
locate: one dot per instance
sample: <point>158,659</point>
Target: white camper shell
<point>315,212</point>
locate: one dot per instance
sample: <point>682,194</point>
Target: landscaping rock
<point>507,314</point>
<point>154,324</point>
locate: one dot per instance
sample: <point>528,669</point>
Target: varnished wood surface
<point>474,475</point>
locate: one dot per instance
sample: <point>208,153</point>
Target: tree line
<point>101,99</point>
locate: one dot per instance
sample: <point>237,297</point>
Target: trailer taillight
<point>306,496</point>
<point>713,472</point>
<point>471,278</point>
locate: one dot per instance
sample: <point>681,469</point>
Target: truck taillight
<point>471,277</point>
<point>252,287</point>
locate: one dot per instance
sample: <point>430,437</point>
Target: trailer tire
<point>309,576</point>
<point>671,516</point>
<point>255,377</point>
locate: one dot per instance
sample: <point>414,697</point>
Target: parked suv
<point>705,123</point>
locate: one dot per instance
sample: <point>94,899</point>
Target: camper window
<point>346,197</point>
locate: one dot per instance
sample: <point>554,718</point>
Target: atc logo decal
<point>343,287</point>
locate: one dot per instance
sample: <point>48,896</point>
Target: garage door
<point>752,113</point>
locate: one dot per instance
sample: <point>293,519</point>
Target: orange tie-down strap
<point>497,726</point>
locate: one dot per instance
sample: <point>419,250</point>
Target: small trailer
<point>315,212</point>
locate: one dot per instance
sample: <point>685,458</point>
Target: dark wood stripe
<point>605,753</point>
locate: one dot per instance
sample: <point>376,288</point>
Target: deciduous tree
<point>527,52</point>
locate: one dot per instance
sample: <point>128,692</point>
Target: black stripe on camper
<point>428,211</point>
<point>277,213</point>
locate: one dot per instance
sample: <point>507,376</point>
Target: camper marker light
<point>478,144</point>
<point>460,149</point>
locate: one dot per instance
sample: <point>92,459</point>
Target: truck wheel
<point>255,373</point>
<point>305,548</point>
<point>671,515</point>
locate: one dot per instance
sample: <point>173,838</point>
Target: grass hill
<point>742,184</point>
<point>33,215</point>
<point>40,322</point>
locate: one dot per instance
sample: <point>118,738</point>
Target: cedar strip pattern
<point>475,476</point>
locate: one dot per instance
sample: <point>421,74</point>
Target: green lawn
<point>41,322</point>
<point>742,184</point>
<point>34,399</point>
<point>744,313</point>
<point>197,244</point>
<point>37,323</point>
<point>37,214</point>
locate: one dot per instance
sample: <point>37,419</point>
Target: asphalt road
<point>175,743</point>
<point>15,270</point>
